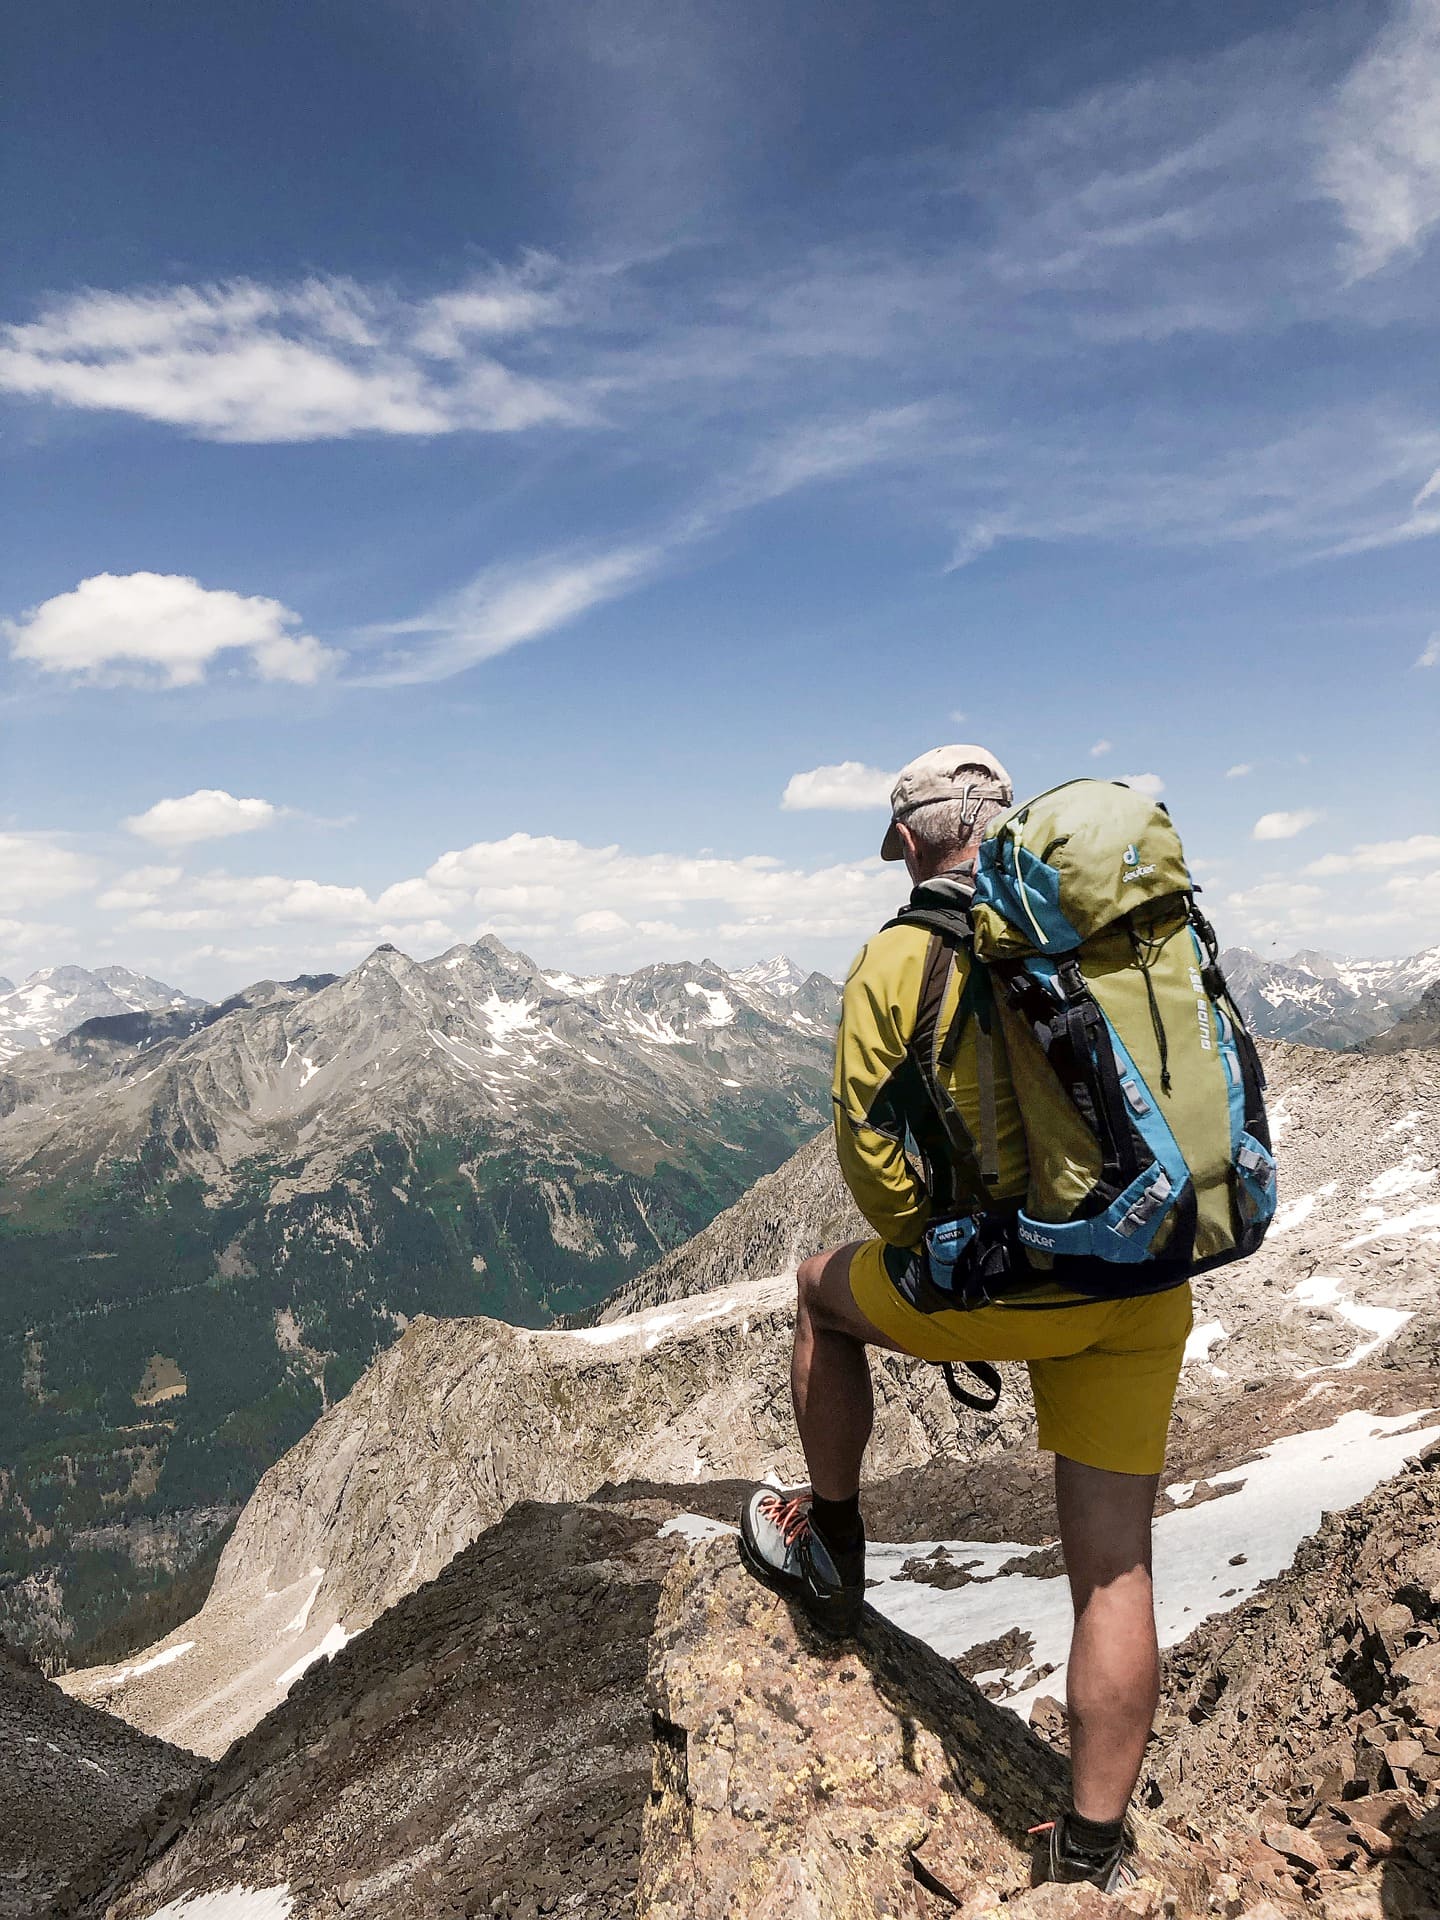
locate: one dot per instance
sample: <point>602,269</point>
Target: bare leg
<point>830,1375</point>
<point>1114,1675</point>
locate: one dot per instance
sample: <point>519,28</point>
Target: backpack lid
<point>1061,867</point>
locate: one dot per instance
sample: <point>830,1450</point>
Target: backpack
<point>1140,1089</point>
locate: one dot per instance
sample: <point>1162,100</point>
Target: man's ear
<point>914,858</point>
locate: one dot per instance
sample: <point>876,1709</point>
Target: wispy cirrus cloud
<point>324,359</point>
<point>1381,155</point>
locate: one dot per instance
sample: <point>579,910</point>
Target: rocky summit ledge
<point>801,1779</point>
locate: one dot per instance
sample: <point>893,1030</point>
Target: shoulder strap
<point>986,1374</point>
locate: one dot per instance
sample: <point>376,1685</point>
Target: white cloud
<point>1150,784</point>
<point>958,716</point>
<point>1239,770</point>
<point>1284,826</point>
<point>1430,652</point>
<point>141,887</point>
<point>848,786</point>
<point>506,606</point>
<point>162,629</point>
<point>207,814</point>
<point>35,867</point>
<point>1380,854</point>
<point>321,360</point>
<point>1101,748</point>
<point>1382,154</point>
<point>218,900</point>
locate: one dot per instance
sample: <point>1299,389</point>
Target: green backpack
<point>1140,1090</point>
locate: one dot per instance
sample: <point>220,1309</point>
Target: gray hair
<point>953,826</point>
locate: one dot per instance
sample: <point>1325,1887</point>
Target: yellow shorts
<point>1103,1374</point>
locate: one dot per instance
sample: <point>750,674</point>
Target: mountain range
<point>1322,1001</point>
<point>211,1218</point>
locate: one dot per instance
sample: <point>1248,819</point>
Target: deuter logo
<point>1133,868</point>
<point>1033,1237</point>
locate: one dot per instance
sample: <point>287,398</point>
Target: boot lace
<point>791,1517</point>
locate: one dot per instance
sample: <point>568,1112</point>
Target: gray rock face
<point>1324,1002</point>
<point>1419,1028</point>
<point>56,1000</point>
<point>72,1779</point>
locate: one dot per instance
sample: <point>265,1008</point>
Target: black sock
<point>838,1522</point>
<point>1094,1839</point>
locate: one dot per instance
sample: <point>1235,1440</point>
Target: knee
<point>809,1277</point>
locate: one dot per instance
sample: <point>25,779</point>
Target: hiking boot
<point>1059,1859</point>
<point>781,1546</point>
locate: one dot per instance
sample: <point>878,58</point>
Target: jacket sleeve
<point>870,1069</point>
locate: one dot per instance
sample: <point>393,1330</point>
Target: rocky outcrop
<point>797,1776</point>
<point>1301,1734</point>
<point>72,1779</point>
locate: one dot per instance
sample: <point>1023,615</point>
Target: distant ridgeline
<point>212,1218</point>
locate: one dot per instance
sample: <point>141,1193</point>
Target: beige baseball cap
<point>945,773</point>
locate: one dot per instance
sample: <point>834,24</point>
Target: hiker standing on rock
<point>1048,1109</point>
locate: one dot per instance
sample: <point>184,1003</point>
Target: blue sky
<point>463,464</point>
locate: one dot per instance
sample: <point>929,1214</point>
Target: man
<point>1103,1372</point>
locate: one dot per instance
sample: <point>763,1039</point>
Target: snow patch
<point>335,1638</point>
<point>1382,1323</point>
<point>230,1903</point>
<point>1408,1177</point>
<point>1282,1496</point>
<point>1407,1123</point>
<point>1296,1212</point>
<point>1202,1339</point>
<point>126,1674</point>
<point>310,1069</point>
<point>720,1012</point>
<point>1424,1221</point>
<point>302,1618</point>
<point>695,1526</point>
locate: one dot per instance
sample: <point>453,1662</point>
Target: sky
<point>541,468</point>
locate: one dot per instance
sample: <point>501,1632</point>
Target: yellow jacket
<point>892,1150</point>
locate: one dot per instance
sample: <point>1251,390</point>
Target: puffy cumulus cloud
<point>1239,770</point>
<point>36,867</point>
<point>562,891</point>
<point>207,814</point>
<point>1429,655</point>
<point>849,786</point>
<point>1101,748</point>
<point>1284,826</point>
<point>162,629</point>
<point>1381,161</point>
<point>320,360</point>
<point>141,887</point>
<point>1150,784</point>
<point>217,900</point>
<point>1414,851</point>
